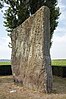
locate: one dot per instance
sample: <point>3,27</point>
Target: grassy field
<point>56,62</point>
<point>5,63</point>
<point>59,62</point>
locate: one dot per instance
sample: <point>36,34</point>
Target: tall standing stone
<point>31,52</point>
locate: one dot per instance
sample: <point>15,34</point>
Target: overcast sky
<point>58,49</point>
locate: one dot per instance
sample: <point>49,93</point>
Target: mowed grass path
<point>59,62</point>
<point>5,63</point>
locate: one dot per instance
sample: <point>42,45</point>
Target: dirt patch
<point>8,90</point>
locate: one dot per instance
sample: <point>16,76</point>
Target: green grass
<point>59,62</point>
<point>56,62</point>
<point>5,63</point>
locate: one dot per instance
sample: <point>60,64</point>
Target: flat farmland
<point>58,62</point>
<point>5,63</point>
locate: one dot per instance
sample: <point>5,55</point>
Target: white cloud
<point>60,30</point>
<point>62,10</point>
<point>5,51</point>
<point>58,49</point>
<point>62,16</point>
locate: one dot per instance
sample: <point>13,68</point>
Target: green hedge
<point>59,71</point>
<point>5,70</point>
<point>56,70</point>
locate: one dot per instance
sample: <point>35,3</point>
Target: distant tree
<point>19,10</point>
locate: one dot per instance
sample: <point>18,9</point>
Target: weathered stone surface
<point>31,52</point>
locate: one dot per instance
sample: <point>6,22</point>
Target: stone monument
<point>31,52</point>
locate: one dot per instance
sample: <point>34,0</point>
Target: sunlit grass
<point>5,63</point>
<point>56,62</point>
<point>59,62</point>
